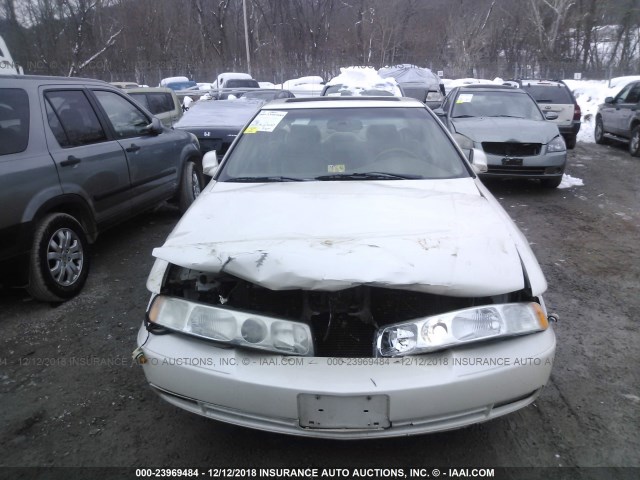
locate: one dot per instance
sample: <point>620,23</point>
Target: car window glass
<point>141,98</point>
<point>56,126</point>
<point>622,96</point>
<point>14,120</point>
<point>447,102</point>
<point>480,103</point>
<point>77,117</point>
<point>308,143</point>
<point>549,94</point>
<point>160,102</point>
<point>125,117</point>
<point>634,94</point>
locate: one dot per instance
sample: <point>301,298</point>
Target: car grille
<point>516,170</point>
<point>347,337</point>
<point>512,149</point>
<point>208,144</point>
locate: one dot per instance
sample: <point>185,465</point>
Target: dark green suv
<point>78,156</point>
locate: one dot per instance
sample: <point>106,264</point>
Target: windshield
<point>340,90</point>
<point>549,94</point>
<point>181,85</point>
<point>241,83</point>
<point>343,144</point>
<point>495,104</point>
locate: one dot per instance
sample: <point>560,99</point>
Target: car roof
<point>488,86</point>
<point>343,102</point>
<point>542,83</point>
<point>148,89</point>
<point>45,78</point>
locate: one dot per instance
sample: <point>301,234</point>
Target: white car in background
<point>345,274</point>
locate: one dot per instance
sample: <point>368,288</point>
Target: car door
<point>89,162</point>
<point>153,158</point>
<point>612,114</point>
<point>628,109</point>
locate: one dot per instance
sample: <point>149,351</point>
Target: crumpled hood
<point>493,129</point>
<point>440,237</point>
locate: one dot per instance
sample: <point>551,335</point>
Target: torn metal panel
<point>439,237</point>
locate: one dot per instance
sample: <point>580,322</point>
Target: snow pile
<point>165,81</point>
<point>407,73</point>
<point>357,79</point>
<point>311,80</point>
<point>461,82</point>
<point>620,82</point>
<point>266,85</point>
<point>568,181</point>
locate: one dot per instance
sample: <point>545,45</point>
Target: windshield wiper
<point>463,116</point>
<point>368,176</point>
<point>264,179</point>
<point>507,116</point>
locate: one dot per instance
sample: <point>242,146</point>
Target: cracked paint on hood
<point>434,236</point>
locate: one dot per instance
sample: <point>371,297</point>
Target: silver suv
<point>78,156</point>
<point>556,97</point>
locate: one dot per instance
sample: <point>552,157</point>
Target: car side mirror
<point>608,100</point>
<point>478,161</point>
<point>210,163</point>
<point>439,112</point>
<point>551,115</point>
<point>154,128</point>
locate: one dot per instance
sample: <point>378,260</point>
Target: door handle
<point>71,160</point>
<point>132,148</point>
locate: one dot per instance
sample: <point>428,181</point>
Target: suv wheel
<point>570,140</point>
<point>598,133</point>
<point>551,182</point>
<point>634,142</point>
<point>59,261</point>
<point>190,185</point>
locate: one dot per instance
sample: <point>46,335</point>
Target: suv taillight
<point>577,113</point>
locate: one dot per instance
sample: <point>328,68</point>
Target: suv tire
<point>570,140</point>
<point>191,185</point>
<point>634,142</point>
<point>551,182</point>
<point>598,133</point>
<point>59,259</point>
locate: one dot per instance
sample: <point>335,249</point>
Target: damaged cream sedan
<point>346,275</point>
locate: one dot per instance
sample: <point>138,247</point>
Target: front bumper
<point>545,165</point>
<point>428,393</point>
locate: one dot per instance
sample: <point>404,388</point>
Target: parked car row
<point>335,228</point>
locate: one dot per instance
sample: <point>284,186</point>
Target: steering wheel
<point>396,152</point>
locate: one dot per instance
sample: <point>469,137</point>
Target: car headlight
<point>464,142</point>
<point>557,145</point>
<point>225,325</point>
<point>458,328</point>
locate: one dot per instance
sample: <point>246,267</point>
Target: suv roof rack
<point>341,99</point>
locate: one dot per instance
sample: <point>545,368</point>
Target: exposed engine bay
<point>343,322</point>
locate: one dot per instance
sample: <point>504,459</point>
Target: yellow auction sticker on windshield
<point>464,98</point>
<point>335,168</point>
<point>266,121</point>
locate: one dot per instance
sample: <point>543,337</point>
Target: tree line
<point>145,40</point>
